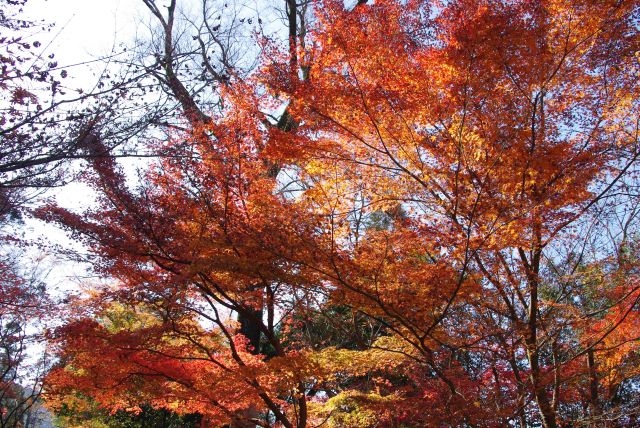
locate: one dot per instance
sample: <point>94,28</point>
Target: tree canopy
<point>409,213</point>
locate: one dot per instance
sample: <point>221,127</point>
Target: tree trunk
<point>532,270</point>
<point>594,407</point>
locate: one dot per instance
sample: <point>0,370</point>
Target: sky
<point>85,30</point>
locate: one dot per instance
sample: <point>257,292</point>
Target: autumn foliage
<point>403,248</point>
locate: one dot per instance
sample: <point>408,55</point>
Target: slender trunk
<point>249,328</point>
<point>532,270</point>
<point>539,390</point>
<point>302,406</point>
<point>594,407</point>
<point>556,377</point>
<point>292,16</point>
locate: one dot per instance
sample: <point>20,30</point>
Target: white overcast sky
<point>87,28</point>
<point>84,30</point>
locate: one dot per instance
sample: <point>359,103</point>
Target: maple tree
<point>442,160</point>
<point>39,134</point>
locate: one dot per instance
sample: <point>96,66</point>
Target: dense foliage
<point>438,230</point>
